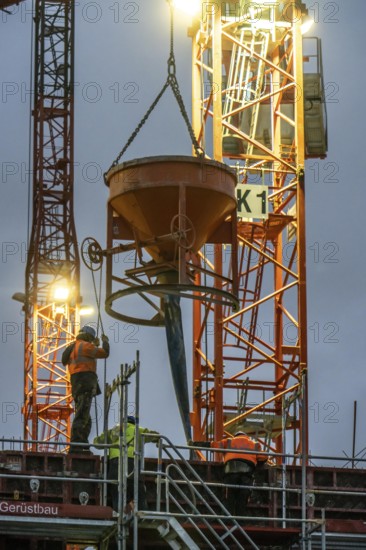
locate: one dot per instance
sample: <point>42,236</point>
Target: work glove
<point>151,434</point>
<point>105,338</point>
<point>96,342</point>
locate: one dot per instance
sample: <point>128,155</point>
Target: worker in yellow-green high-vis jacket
<point>113,436</point>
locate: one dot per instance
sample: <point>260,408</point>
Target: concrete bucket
<point>169,200</point>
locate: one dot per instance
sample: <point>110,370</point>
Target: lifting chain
<point>171,82</point>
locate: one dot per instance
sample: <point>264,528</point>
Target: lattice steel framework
<point>250,366</point>
<point>53,254</point>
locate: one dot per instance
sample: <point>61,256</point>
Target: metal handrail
<point>168,447</point>
<point>179,473</point>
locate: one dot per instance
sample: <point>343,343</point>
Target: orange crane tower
<point>52,273</point>
<point>249,90</point>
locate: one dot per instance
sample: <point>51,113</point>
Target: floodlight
<point>191,7</point>
<point>61,293</point>
<point>306,24</point>
<point>86,310</point>
<point>19,297</point>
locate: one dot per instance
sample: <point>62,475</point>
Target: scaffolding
<point>49,493</point>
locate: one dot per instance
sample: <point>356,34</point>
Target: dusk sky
<point>120,59</point>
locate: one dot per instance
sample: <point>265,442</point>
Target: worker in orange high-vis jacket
<point>81,357</point>
<point>239,468</point>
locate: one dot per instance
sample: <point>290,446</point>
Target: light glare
<point>191,7</point>
<point>61,293</point>
<point>86,310</point>
<point>307,24</point>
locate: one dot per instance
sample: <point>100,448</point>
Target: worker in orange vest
<point>239,468</point>
<point>81,357</point>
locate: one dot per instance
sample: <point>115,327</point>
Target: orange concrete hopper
<point>149,193</point>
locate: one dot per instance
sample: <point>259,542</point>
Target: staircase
<point>170,530</point>
<point>188,513</point>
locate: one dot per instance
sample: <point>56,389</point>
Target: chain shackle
<point>172,68</point>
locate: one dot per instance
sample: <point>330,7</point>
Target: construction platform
<point>50,500</point>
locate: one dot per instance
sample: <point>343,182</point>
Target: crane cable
<point>91,254</point>
<point>98,295</point>
<point>171,82</point>
<point>99,323</point>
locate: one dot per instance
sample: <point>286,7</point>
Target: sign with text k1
<point>252,201</point>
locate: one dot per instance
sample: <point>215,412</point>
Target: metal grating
<point>81,530</point>
<point>336,541</point>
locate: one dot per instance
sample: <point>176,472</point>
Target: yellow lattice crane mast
<point>257,106</point>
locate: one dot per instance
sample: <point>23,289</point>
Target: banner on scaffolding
<point>51,509</point>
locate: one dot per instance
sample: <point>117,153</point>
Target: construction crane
<point>249,95</point>
<point>52,289</point>
<point>252,99</point>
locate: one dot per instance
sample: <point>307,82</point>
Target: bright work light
<point>86,310</point>
<point>191,7</point>
<point>61,293</point>
<point>307,23</point>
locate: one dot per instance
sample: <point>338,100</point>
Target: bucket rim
<point>167,158</point>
